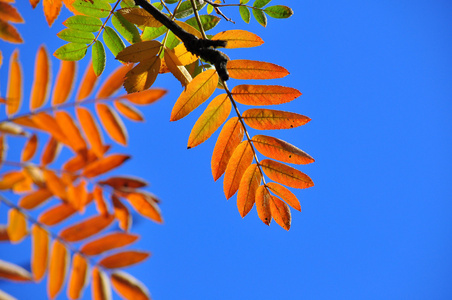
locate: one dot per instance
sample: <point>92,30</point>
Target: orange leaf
<point>101,206</point>
<point>78,195</point>
<point>41,82</point>
<point>78,162</point>
<point>48,123</point>
<point>139,52</point>
<point>139,16</point>
<point>4,233</point>
<point>252,69</point>
<point>91,130</point>
<point>238,39</point>
<point>86,228</point>
<point>260,118</point>
<point>78,277</point>
<point>113,82</point>
<point>247,189</point>
<point>263,204</point>
<point>264,94</point>
<point>184,56</point>
<point>146,205</point>
<point>33,3</point>
<point>240,160</point>
<point>280,212</point>
<point>121,213</point>
<point>9,33</point>
<point>176,68</point>
<point>54,184</point>
<point>64,82</point>
<point>15,85</point>
<point>17,226</point>
<point>128,111</point>
<point>285,194</point>
<point>11,128</point>
<point>35,198</point>
<point>280,150</point>
<point>58,266</point>
<point>88,82</point>
<point>104,165</point>
<point>9,13</point>
<point>108,242</point>
<point>51,151</point>
<point>10,179</point>
<point>26,121</point>
<point>128,286</point>
<point>29,149</point>
<point>215,114</point>
<point>229,138</point>
<point>100,286</point>
<point>51,10</point>
<point>56,214</point>
<point>39,252</point>
<point>145,97</point>
<point>72,132</point>
<point>35,174</point>
<point>143,75</point>
<point>123,259</point>
<point>196,92</point>
<point>3,148</point>
<point>112,123</point>
<point>120,182</point>
<point>286,175</point>
<point>13,272</point>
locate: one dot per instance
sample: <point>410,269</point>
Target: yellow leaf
<point>145,97</point>
<point>197,91</point>
<point>176,68</point>
<point>143,75</point>
<point>29,149</point>
<point>88,82</point>
<point>108,242</point>
<point>128,286</point>
<point>263,204</point>
<point>40,252</point>
<point>100,286</point>
<point>184,56</point>
<point>13,272</point>
<point>112,123</point>
<point>139,52</point>
<point>15,85</point>
<point>280,212</point>
<point>104,165</point>
<point>86,228</point>
<point>238,39</point>
<point>17,226</point>
<point>211,119</point>
<point>240,160</point>
<point>260,118</point>
<point>64,82</point>
<point>280,150</point>
<point>91,130</point>
<point>285,175</point>
<point>252,69</point>
<point>54,184</point>
<point>247,189</point>
<point>78,277</point>
<point>139,16</point>
<point>128,111</point>
<point>58,266</point>
<point>264,94</point>
<point>123,259</point>
<point>41,82</point>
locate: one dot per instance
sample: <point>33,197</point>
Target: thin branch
<point>218,11</point>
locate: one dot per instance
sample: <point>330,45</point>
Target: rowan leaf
<point>58,266</point>
<point>123,259</point>
<point>84,23</point>
<point>230,137</point>
<point>172,40</point>
<point>88,82</point>
<point>10,179</point>
<point>143,75</point>
<point>128,111</point>
<point>77,195</point>
<point>238,39</point>
<point>17,226</point>
<point>140,51</point>
<point>15,85</point>
<point>184,56</point>
<point>196,92</point>
<point>208,22</point>
<point>39,252</point>
<point>72,132</point>
<point>252,69</point>
<point>64,82</point>
<point>78,277</point>
<point>35,198</point>
<point>112,123</point>
<point>249,183</point>
<point>52,9</point>
<point>151,33</point>
<point>260,3</point>
<point>13,272</point>
<point>91,130</point>
<point>280,150</point>
<point>71,51</point>
<point>211,119</point>
<point>101,205</point>
<point>56,214</point>
<point>9,33</point>
<point>48,123</point>
<point>93,8</point>
<point>128,286</point>
<point>139,16</point>
<point>108,242</point>
<point>260,17</point>
<point>79,162</point>
<point>86,228</point>
<point>240,160</point>
<point>245,14</point>
<point>263,119</point>
<point>285,175</point>
<point>114,82</point>
<point>121,213</point>
<point>125,28</point>
<point>41,81</point>
<point>176,68</point>
<point>104,165</point>
<point>145,97</point>
<point>76,36</point>
<point>113,41</point>
<point>55,184</point>
<point>264,94</point>
<point>11,128</point>
<point>100,286</point>
<point>280,212</point>
<point>9,13</point>
<point>146,205</point>
<point>279,11</point>
<point>285,194</point>
<point>98,58</point>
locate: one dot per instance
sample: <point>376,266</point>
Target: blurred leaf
<point>112,123</point>
<point>122,214</point>
<point>128,111</point>
<point>146,206</point>
<point>104,165</point>
<point>56,214</point>
<point>15,85</point>
<point>108,242</point>
<point>41,80</point>
<point>145,97</point>
<point>114,82</point>
<point>88,82</point>
<point>91,130</point>
<point>9,33</point>
<point>128,286</point>
<point>35,198</point>
<point>59,263</point>
<point>40,251</point>
<point>100,285</point>
<point>78,277</point>
<point>123,259</point>
<point>17,226</point>
<point>13,272</point>
<point>86,228</point>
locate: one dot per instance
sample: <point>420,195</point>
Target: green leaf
<point>151,33</point>
<point>171,1</point>
<point>171,41</point>
<point>76,36</point>
<point>71,51</point>
<point>279,11</point>
<point>261,3</point>
<point>125,28</point>
<point>245,14</point>
<point>127,3</point>
<point>209,8</point>
<point>208,22</point>
<point>98,58</point>
<point>260,17</point>
<point>113,41</point>
<point>84,23</point>
<point>93,8</point>
<point>185,9</point>
<point>244,1</point>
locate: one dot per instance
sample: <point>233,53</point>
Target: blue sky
<point>375,79</point>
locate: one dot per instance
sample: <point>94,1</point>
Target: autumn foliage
<point>86,122</point>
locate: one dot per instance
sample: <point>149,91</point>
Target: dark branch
<point>200,47</point>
